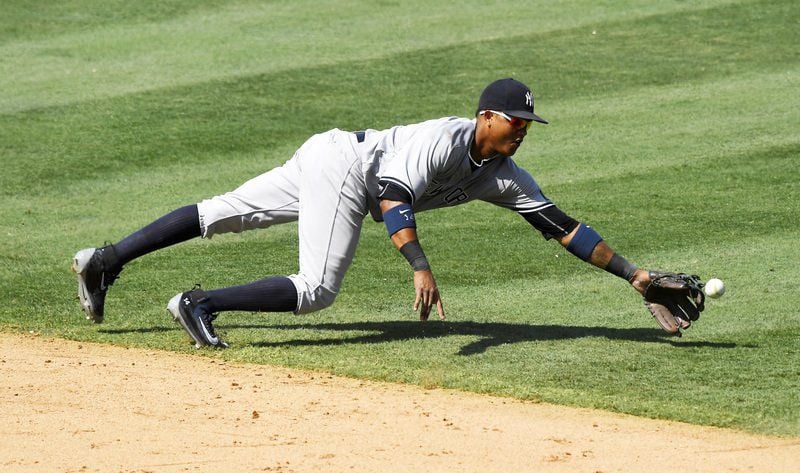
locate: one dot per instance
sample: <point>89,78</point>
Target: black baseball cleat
<point>187,309</point>
<point>94,278</point>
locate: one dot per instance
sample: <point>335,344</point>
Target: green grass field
<point>675,131</point>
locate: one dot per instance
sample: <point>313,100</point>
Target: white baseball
<point>714,288</point>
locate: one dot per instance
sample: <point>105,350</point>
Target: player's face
<point>507,133</point>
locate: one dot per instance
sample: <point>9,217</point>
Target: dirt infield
<point>76,407</point>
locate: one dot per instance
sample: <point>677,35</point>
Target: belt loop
<point>360,135</point>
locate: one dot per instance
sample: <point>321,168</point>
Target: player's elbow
<point>566,239</point>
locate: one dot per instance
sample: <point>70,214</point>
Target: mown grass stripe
<point>198,123</point>
<point>247,38</point>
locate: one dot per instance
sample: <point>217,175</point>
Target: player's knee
<point>315,299</point>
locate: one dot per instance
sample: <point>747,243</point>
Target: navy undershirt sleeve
<point>393,191</point>
<point>551,221</point>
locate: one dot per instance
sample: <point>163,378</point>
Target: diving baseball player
<point>338,177</point>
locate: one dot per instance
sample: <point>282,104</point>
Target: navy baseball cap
<point>511,97</point>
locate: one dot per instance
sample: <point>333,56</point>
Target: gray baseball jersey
<point>431,162</point>
<point>335,178</point>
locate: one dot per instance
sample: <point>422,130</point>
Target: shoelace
<point>207,318</point>
<point>107,277</point>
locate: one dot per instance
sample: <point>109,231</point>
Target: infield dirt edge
<point>77,406</point>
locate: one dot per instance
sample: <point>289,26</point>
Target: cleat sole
<point>79,263</point>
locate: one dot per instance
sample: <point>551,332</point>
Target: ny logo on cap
<point>528,99</point>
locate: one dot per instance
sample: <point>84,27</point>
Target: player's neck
<point>481,149</point>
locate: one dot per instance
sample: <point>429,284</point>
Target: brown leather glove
<point>674,299</point>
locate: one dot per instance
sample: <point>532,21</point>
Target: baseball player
<point>329,186</point>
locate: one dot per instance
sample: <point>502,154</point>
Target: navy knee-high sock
<point>276,294</point>
<point>177,226</point>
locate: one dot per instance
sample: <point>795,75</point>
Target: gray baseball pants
<point>322,188</point>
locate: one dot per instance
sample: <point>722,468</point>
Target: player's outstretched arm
<point>674,299</point>
<point>587,245</point>
<point>400,224</point>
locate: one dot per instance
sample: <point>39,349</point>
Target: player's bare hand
<point>640,281</point>
<point>427,295</point>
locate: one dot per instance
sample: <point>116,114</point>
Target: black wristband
<point>619,266</point>
<point>416,258</point>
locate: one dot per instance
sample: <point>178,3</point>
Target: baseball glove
<point>674,299</point>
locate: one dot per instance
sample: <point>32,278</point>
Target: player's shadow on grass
<point>491,334</point>
<point>118,331</point>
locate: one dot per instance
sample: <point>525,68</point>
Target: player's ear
<point>487,115</point>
